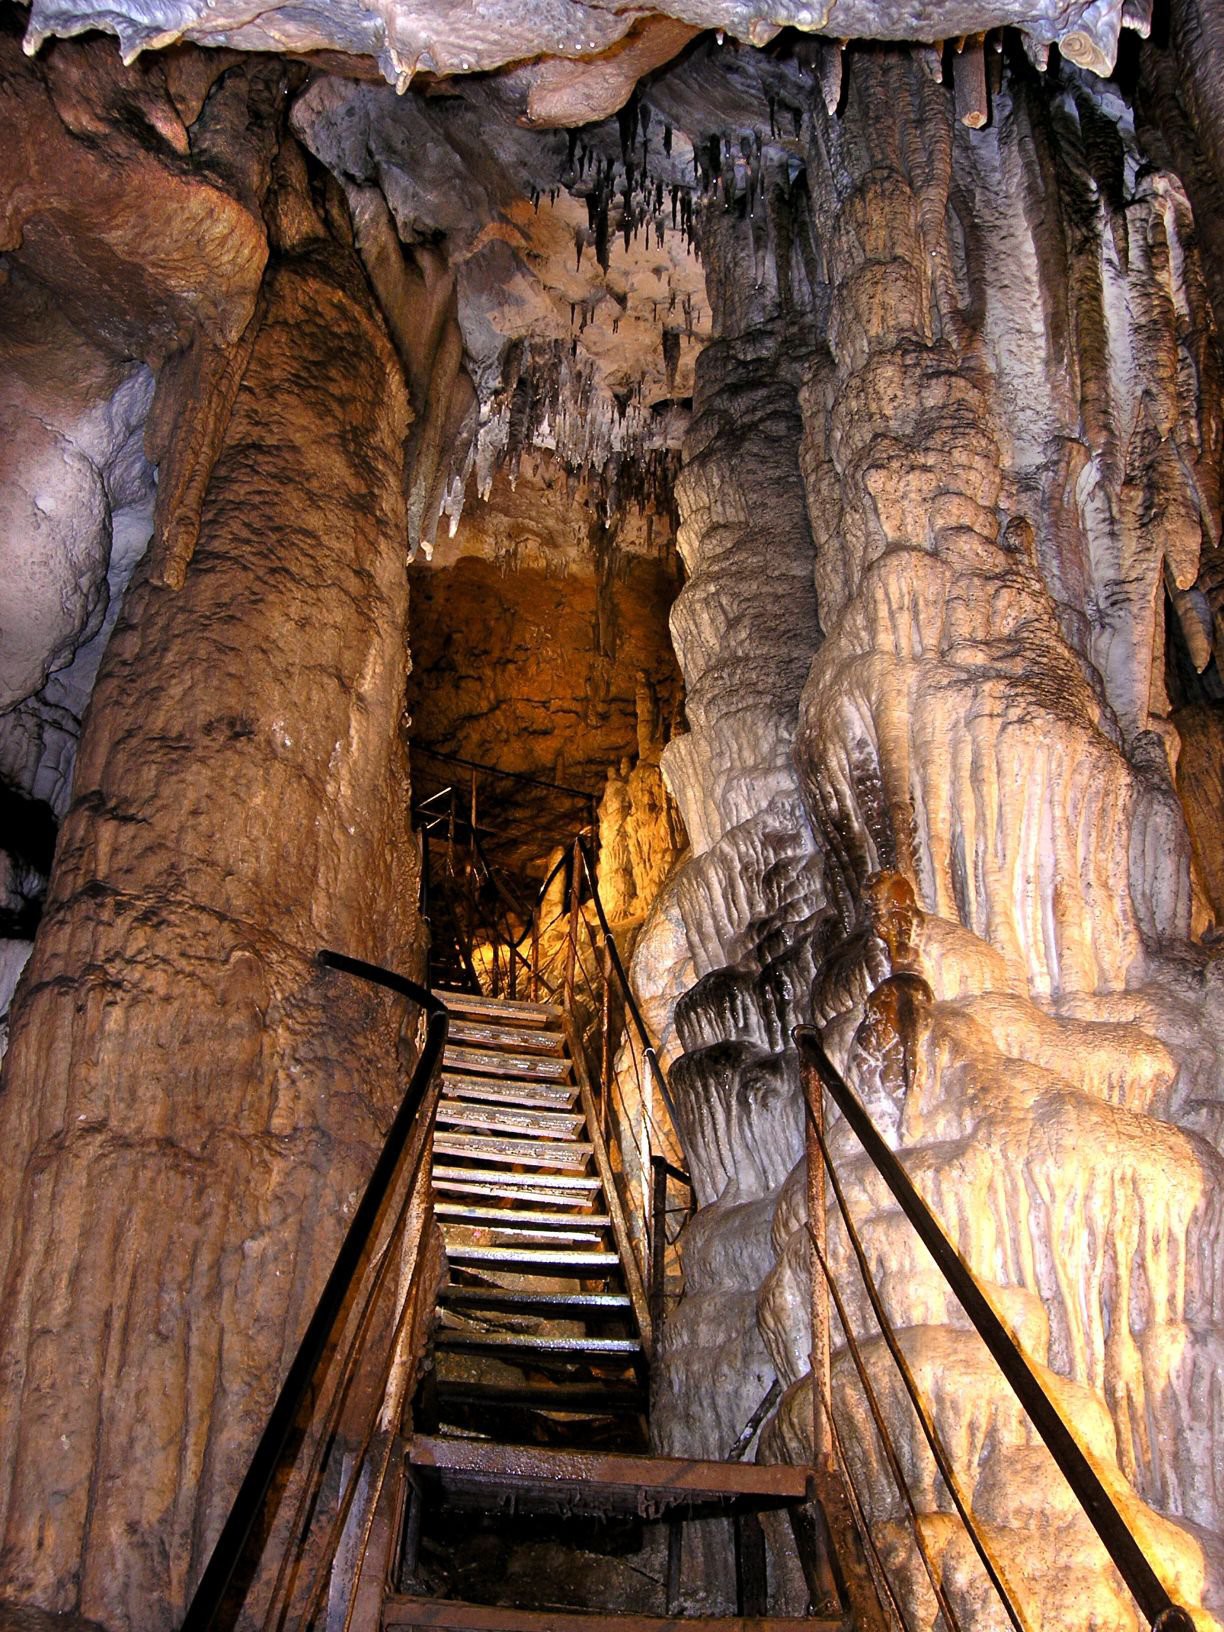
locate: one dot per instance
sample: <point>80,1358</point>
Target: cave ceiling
<point>574,58</point>
<point>543,167</point>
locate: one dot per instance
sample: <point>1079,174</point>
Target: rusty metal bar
<point>1125,1552</point>
<point>605,1053</point>
<point>634,1281</point>
<point>622,978</point>
<point>571,945</point>
<point>658,1241</point>
<point>821,1355</point>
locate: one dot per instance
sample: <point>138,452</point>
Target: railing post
<point>822,1377</point>
<point>426,881</point>
<point>606,1061</point>
<point>658,1242</point>
<point>571,947</point>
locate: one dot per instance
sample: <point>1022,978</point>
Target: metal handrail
<point>631,1005</point>
<point>1124,1551</point>
<point>248,1504</point>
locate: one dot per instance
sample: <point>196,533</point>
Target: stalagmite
<point>175,1044</point>
<point>962,727</point>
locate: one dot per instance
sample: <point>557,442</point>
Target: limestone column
<point>189,1104</point>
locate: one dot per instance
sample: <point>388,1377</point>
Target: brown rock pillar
<point>189,1105</point>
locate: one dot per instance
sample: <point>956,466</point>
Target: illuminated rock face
<point>1009,448</point>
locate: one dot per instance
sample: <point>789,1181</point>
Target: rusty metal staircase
<point>543,1325</point>
<point>346,1503</point>
<point>542,1335</point>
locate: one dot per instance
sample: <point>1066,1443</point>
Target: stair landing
<point>602,1482</point>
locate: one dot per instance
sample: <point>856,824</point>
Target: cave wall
<point>995,455</point>
<point>536,629</point>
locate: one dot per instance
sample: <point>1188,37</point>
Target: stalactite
<point>969,79</point>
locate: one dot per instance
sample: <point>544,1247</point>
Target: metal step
<point>572,1153</point>
<point>511,1119</point>
<point>488,1034</point>
<point>504,1063</point>
<point>447,1337</point>
<point>505,1091</point>
<point>579,1399</point>
<point>510,1235</point>
<point>565,1189</point>
<point>498,1218</point>
<point>565,1305</point>
<point>542,1260</point>
<point>447,1615</point>
<point>510,1011</point>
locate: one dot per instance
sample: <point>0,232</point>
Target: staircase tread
<point>609,1399</point>
<point>512,1297</point>
<point>505,1090</point>
<point>509,1008</point>
<point>599,1262</point>
<point>488,1034</point>
<point>456,1233</point>
<point>687,1478</point>
<point>560,1153</point>
<point>514,1183</point>
<point>504,1063</point>
<point>448,1337</point>
<point>565,1197</point>
<point>511,1119</point>
<point>498,1218</point>
<point>453,1615</point>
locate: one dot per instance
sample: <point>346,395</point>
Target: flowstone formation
<point>999,397</point>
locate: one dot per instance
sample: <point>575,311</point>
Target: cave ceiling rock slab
<point>139,248</point>
<point>405,39</point>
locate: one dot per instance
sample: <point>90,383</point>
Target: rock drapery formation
<point>1009,453</point>
<point>592,54</point>
<point>949,513</point>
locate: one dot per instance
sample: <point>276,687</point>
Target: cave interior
<point>672,525</point>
